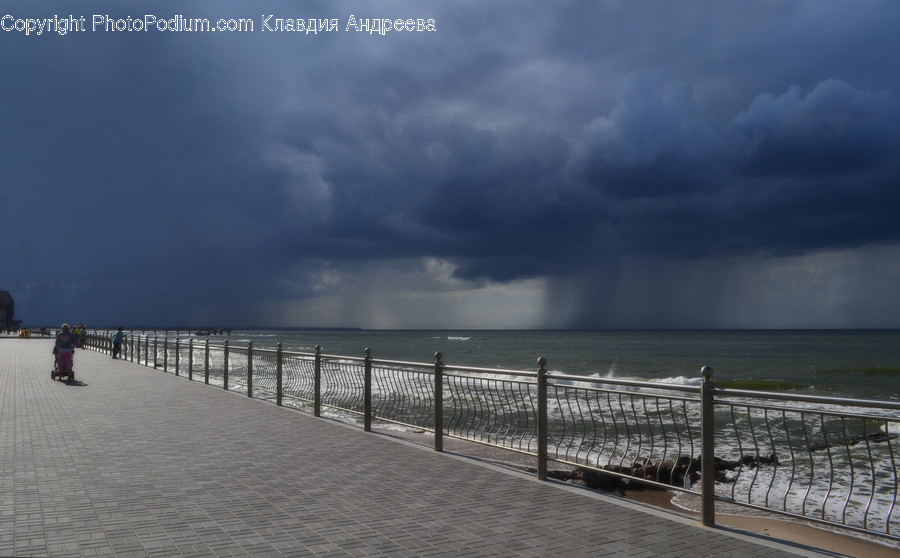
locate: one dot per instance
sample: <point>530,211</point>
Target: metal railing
<point>831,461</point>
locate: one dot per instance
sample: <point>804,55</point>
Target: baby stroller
<point>55,373</point>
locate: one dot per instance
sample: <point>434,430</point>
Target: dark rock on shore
<point>681,472</point>
<point>878,437</point>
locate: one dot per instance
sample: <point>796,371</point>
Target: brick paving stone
<point>133,461</point>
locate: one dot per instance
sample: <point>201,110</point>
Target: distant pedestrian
<point>65,351</point>
<point>82,336</point>
<point>117,342</point>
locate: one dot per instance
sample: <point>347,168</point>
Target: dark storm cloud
<point>587,144</point>
<point>793,172</point>
<point>832,130</point>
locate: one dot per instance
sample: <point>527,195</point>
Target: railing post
<point>177,356</point>
<point>166,353</point>
<point>367,404</point>
<point>542,419</point>
<point>279,370</point>
<point>206,363</point>
<point>155,350</point>
<point>317,382</point>
<point>225,371</point>
<point>190,358</point>
<point>249,368</point>
<point>438,402</point>
<point>707,449</point>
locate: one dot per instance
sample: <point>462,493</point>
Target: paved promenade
<point>136,462</point>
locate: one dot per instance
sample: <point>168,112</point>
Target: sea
<point>862,364</point>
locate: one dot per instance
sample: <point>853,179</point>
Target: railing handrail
<point>820,399</point>
<point>656,386</point>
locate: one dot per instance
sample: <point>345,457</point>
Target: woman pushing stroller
<point>66,341</point>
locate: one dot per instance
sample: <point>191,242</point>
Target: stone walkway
<point>132,461</point>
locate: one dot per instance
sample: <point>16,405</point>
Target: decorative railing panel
<point>299,378</point>
<point>403,394</point>
<point>217,366</point>
<point>494,409</point>
<point>343,380</point>
<point>238,368</point>
<point>835,466</point>
<point>265,372</point>
<point>643,434</point>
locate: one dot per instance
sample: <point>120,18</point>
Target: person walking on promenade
<point>65,351</point>
<point>82,335</point>
<point>117,342</point>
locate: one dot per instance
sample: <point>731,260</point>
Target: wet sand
<point>773,527</point>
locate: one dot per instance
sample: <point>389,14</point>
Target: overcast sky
<point>601,164</point>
